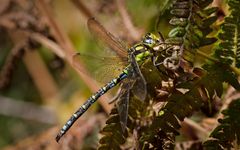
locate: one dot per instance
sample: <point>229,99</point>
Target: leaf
<point>228,50</point>
<point>167,122</point>
<point>192,24</point>
<point>228,131</point>
<point>113,135</point>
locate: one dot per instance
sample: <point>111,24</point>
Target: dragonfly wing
<point>103,69</point>
<point>106,37</point>
<point>122,104</point>
<point>139,89</point>
<point>140,86</point>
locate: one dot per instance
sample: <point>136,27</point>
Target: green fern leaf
<point>228,51</point>
<point>167,122</point>
<point>181,105</point>
<point>191,21</point>
<point>113,136</point>
<point>228,131</point>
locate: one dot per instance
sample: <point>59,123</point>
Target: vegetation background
<point>40,88</point>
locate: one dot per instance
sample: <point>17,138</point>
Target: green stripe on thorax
<point>143,52</point>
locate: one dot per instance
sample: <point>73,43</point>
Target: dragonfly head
<point>150,40</point>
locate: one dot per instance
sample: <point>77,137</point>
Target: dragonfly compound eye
<point>150,40</point>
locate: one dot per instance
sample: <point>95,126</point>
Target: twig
<point>127,20</point>
<point>68,48</point>
<point>26,110</point>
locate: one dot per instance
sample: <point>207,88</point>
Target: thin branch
<point>26,111</point>
<point>132,30</point>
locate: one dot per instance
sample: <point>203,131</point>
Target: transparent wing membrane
<point>107,38</point>
<point>123,102</point>
<point>103,69</point>
<point>140,85</point>
<point>139,89</point>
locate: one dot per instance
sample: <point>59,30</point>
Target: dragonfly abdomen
<point>90,101</point>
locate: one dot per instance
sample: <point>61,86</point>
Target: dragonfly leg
<point>155,63</point>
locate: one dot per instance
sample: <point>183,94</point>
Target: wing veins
<point>100,32</point>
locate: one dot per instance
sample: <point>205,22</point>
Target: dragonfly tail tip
<point>58,137</point>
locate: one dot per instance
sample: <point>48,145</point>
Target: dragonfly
<point>136,55</point>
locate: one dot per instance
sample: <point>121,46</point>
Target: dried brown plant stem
<point>85,11</point>
<point>196,127</point>
<point>42,78</point>
<point>230,95</point>
<point>69,51</point>
<point>132,30</point>
<point>217,3</point>
<point>9,64</point>
<point>40,74</point>
<point>51,45</point>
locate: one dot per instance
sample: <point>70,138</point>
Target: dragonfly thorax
<point>140,52</point>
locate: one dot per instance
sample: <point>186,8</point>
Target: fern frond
<point>191,21</point>
<point>113,137</point>
<point>228,131</point>
<point>228,50</point>
<point>138,114</point>
<point>181,105</point>
<point>164,127</point>
<point>215,77</point>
